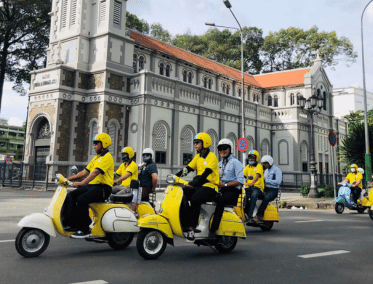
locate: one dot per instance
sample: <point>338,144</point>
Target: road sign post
<point>332,137</point>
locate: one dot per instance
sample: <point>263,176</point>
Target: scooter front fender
<point>156,222</point>
<point>38,221</point>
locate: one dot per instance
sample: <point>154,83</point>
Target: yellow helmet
<point>104,139</point>
<point>129,151</point>
<point>205,138</point>
<point>354,166</point>
<point>253,153</point>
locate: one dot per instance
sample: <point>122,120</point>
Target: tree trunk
<point>4,56</point>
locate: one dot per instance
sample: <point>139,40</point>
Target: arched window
<point>94,132</point>
<point>324,97</point>
<point>141,63</point>
<point>184,76</point>
<point>283,152</point>
<point>168,68</point>
<point>190,75</point>
<point>161,69</point>
<point>214,140</point>
<point>44,129</point>
<point>112,131</point>
<point>187,135</point>
<point>269,100</point>
<point>239,92</point>
<point>275,101</point>
<point>210,84</point>
<point>304,156</point>
<point>205,82</point>
<point>160,143</point>
<point>224,88</point>
<point>264,148</point>
<point>251,143</point>
<point>299,95</point>
<point>292,99</point>
<point>228,89</point>
<point>135,63</point>
<point>231,136</point>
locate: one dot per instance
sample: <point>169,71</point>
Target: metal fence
<point>11,174</point>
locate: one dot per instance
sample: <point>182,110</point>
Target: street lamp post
<point>309,106</point>
<point>229,6</point>
<point>368,168</point>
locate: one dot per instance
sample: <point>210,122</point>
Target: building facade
<point>12,140</point>
<point>350,99</point>
<point>101,77</point>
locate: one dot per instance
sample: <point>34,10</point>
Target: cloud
<point>15,121</point>
<point>13,105</point>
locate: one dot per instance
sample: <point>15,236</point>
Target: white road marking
<point>6,241</point>
<point>92,282</point>
<point>309,221</point>
<point>323,253</point>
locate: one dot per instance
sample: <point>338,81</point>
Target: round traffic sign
<point>242,144</point>
<point>332,137</point>
<point>8,159</point>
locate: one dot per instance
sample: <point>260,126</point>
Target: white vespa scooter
<point>112,223</point>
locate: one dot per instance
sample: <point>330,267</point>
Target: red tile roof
<point>285,78</point>
<point>265,81</point>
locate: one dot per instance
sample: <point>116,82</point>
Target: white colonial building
<point>350,99</point>
<point>101,77</point>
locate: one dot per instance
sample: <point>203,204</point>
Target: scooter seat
<point>125,198</point>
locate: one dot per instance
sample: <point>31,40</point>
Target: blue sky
<point>179,16</point>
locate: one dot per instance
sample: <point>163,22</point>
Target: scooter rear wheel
<point>266,226</point>
<point>150,244</point>
<point>339,208</point>
<point>120,241</point>
<point>360,210</point>
<point>31,242</point>
<point>226,244</point>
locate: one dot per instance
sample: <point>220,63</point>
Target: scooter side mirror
<point>74,170</point>
<point>60,179</point>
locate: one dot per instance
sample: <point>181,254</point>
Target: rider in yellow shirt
<point>355,176</point>
<point>96,186</point>
<point>204,186</point>
<point>254,184</point>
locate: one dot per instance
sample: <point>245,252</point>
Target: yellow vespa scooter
<point>156,230</point>
<point>113,223</point>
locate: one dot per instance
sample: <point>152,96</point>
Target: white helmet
<point>267,159</point>
<point>360,170</point>
<point>148,151</point>
<point>226,141</point>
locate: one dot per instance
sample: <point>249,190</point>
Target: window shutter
<point>117,12</point>
<point>64,13</point>
<point>73,12</point>
<point>102,10</point>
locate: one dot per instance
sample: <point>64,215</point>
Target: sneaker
<point>70,228</point>
<point>81,235</point>
<point>255,219</point>
<point>190,237</point>
<point>250,221</point>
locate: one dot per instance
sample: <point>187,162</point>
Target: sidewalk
<point>290,199</point>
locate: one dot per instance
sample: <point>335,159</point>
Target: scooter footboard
<point>231,225</point>
<point>38,221</point>
<point>156,222</point>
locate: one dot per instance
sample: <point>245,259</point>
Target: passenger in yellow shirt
<point>254,184</point>
<point>204,186</point>
<point>96,186</point>
<point>355,176</point>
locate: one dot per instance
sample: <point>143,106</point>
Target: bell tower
<point>81,31</point>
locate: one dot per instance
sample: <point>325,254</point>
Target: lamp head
<point>302,101</point>
<point>313,100</point>
<point>227,4</point>
<point>210,24</point>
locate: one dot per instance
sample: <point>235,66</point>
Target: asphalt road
<point>305,247</point>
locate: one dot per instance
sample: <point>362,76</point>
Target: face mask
<point>125,157</point>
<point>145,158</point>
<point>251,163</point>
<point>353,170</point>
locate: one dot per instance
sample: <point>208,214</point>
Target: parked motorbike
<point>156,230</point>
<point>345,199</point>
<point>113,223</point>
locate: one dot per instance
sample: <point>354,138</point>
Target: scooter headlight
<point>170,179</point>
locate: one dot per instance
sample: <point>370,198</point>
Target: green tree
<point>133,22</point>
<point>159,33</point>
<point>24,38</point>
<point>296,48</point>
<point>352,148</point>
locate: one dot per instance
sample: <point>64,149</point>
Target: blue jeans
<point>269,196</point>
<point>254,192</point>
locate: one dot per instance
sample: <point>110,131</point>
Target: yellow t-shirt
<point>210,161</point>
<point>251,170</point>
<point>352,176</point>
<point>132,168</point>
<point>105,164</point>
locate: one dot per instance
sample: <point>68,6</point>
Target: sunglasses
<point>196,142</point>
<point>96,142</point>
<point>223,148</point>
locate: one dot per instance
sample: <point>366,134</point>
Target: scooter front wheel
<point>31,242</point>
<point>120,241</point>
<point>226,244</point>
<point>339,208</point>
<point>150,244</point>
